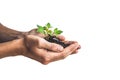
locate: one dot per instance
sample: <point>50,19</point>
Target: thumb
<point>48,45</point>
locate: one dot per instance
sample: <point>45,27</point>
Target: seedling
<point>51,34</point>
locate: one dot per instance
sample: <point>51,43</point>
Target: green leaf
<point>48,25</point>
<point>55,29</point>
<point>44,27</point>
<point>40,29</point>
<point>57,32</point>
<point>39,26</point>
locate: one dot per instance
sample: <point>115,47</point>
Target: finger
<point>50,46</point>
<point>69,50</point>
<point>75,52</point>
<point>62,38</point>
<point>79,47</point>
<point>70,42</point>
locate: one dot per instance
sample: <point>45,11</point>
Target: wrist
<point>18,47</point>
<point>21,47</point>
<point>12,48</point>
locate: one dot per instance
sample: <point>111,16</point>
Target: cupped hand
<point>61,37</point>
<point>39,49</point>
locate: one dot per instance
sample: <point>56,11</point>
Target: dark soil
<point>54,39</point>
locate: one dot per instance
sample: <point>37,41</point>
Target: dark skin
<point>33,45</point>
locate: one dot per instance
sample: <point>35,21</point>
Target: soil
<point>54,39</point>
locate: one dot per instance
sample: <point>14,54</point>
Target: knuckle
<point>53,46</point>
<point>46,61</point>
<point>63,56</point>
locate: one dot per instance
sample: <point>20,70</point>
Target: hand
<point>45,52</point>
<point>61,37</point>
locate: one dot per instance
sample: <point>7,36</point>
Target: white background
<point>95,24</point>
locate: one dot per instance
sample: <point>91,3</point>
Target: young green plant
<point>51,35</point>
<point>48,31</point>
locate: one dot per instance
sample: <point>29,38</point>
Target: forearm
<point>7,34</point>
<point>11,48</point>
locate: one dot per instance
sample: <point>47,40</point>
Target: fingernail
<point>60,48</point>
